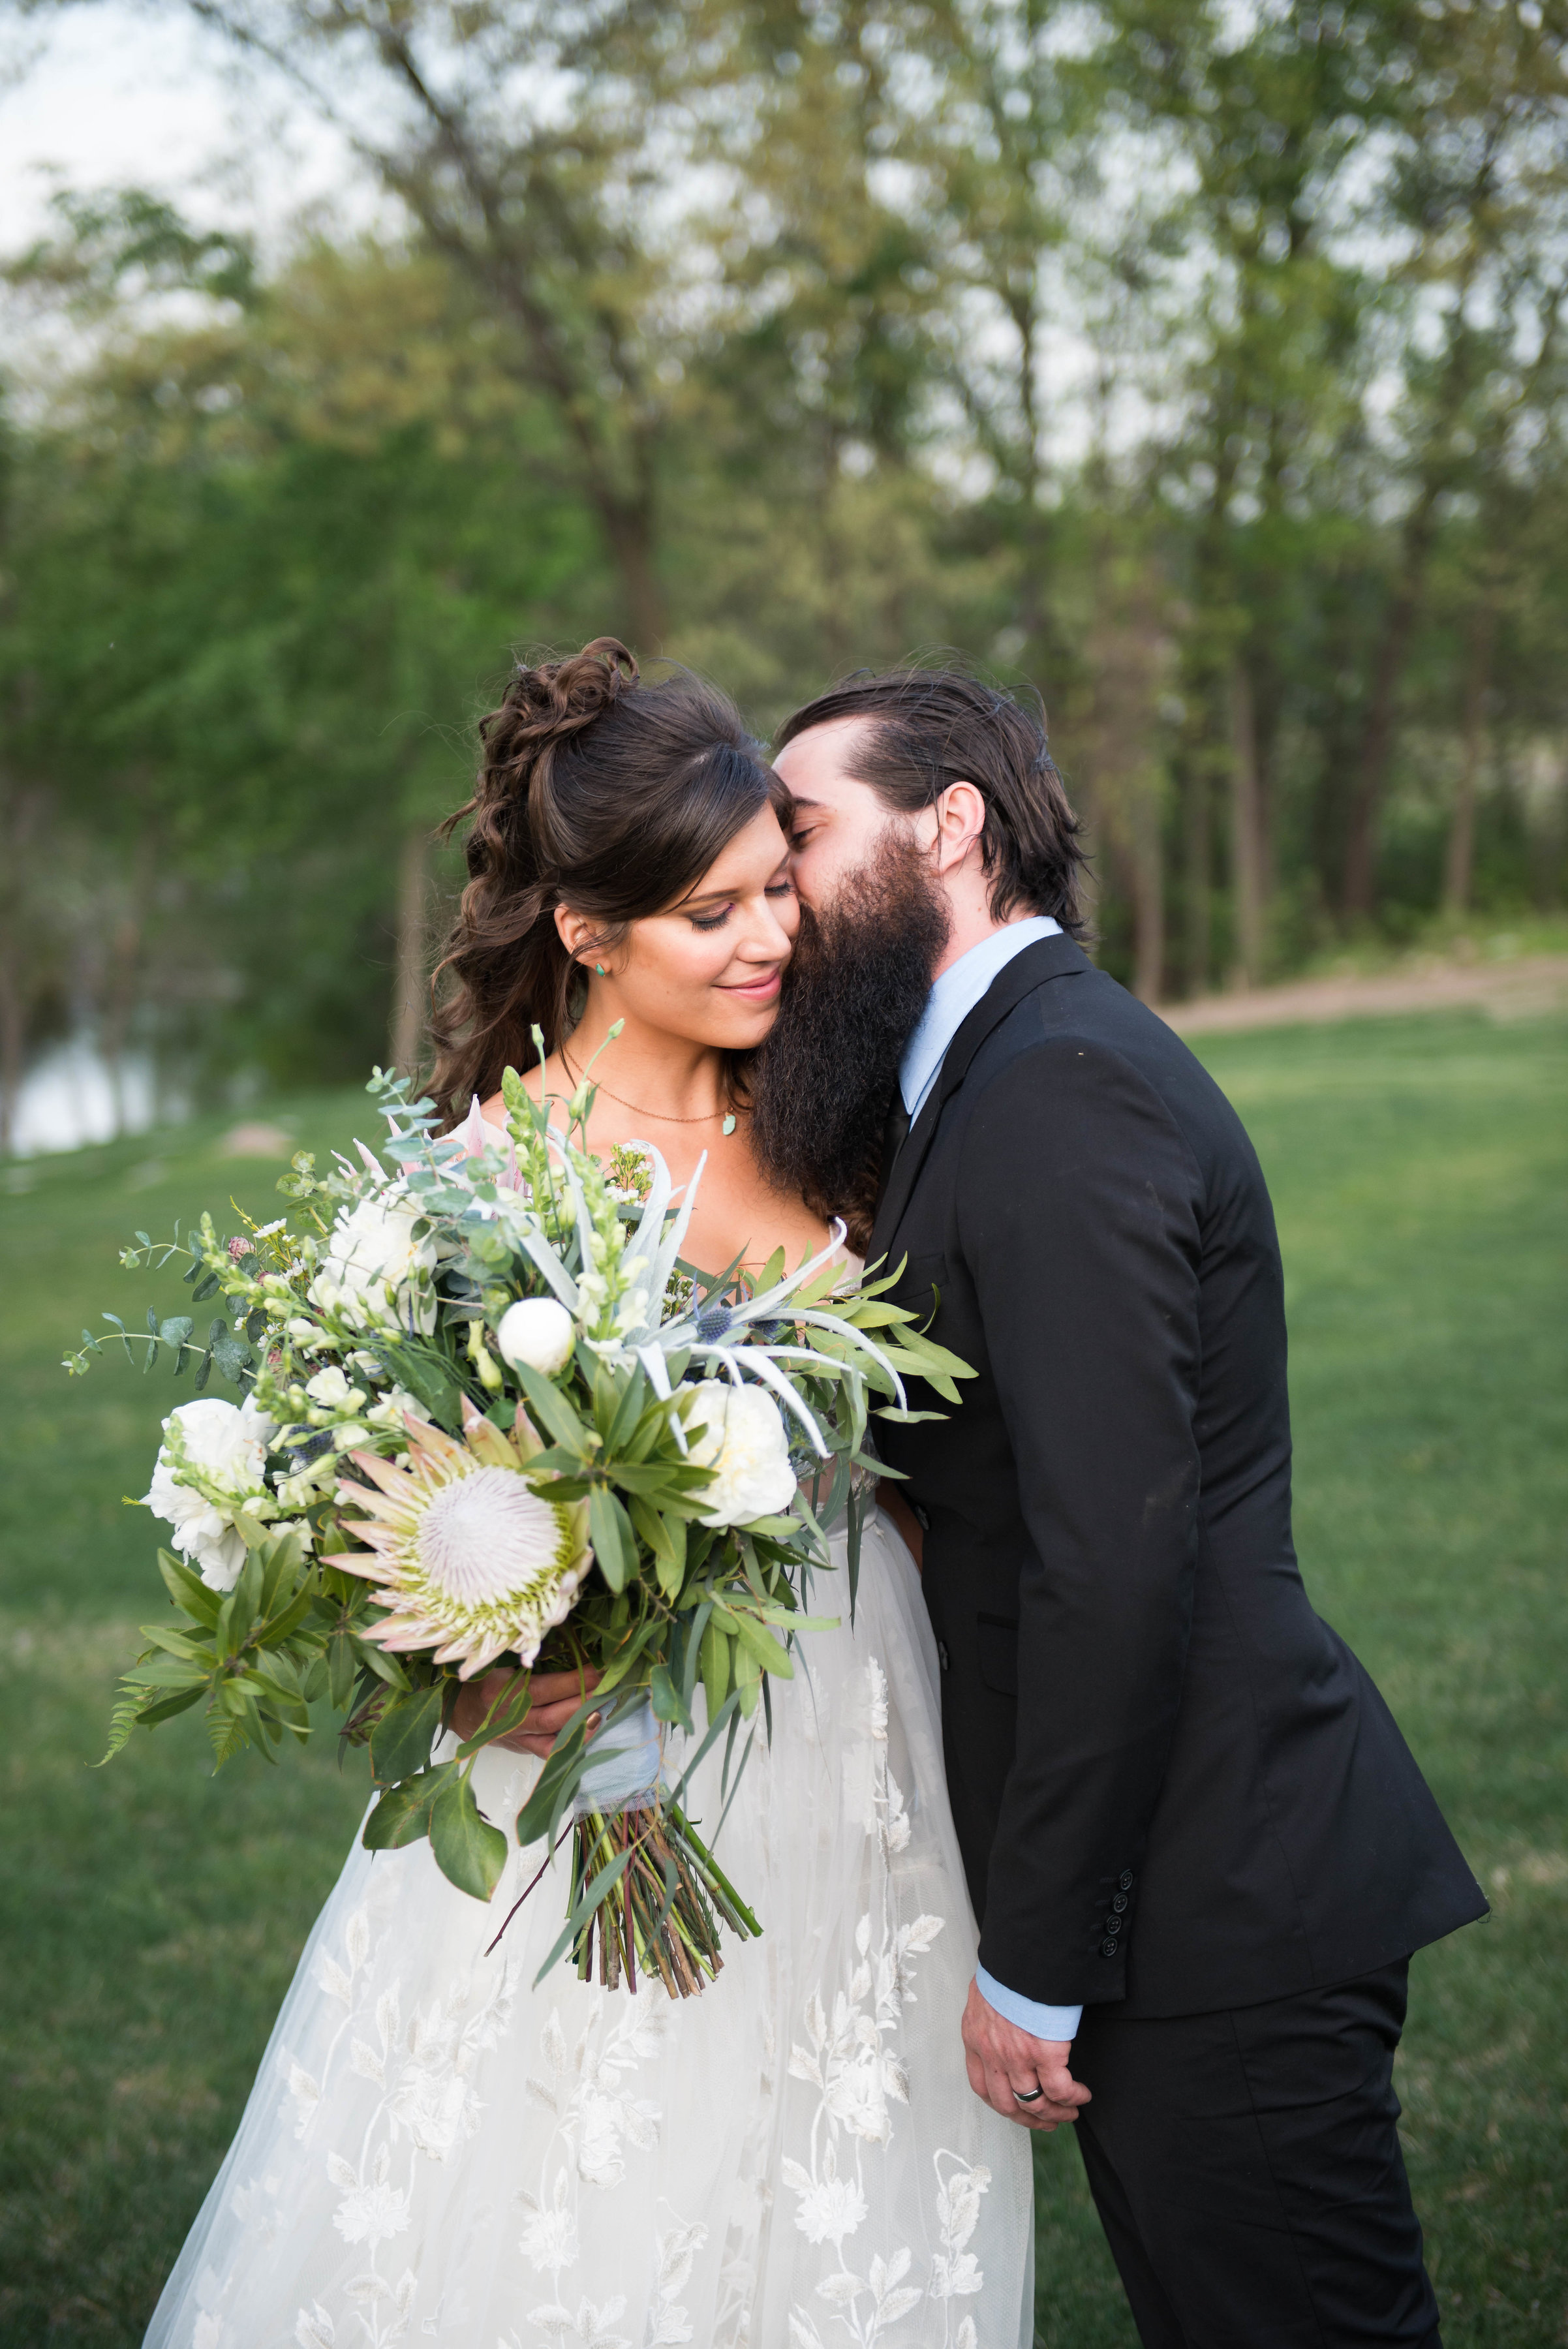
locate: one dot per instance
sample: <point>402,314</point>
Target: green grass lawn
<point>151,1916</point>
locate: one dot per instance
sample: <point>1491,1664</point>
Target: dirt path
<point>1506,990</point>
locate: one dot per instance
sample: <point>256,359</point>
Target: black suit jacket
<point>1173,1784</point>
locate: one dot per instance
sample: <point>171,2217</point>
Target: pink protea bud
<point>239,1245</point>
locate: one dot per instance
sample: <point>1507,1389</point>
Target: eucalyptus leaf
<point>232,1355</point>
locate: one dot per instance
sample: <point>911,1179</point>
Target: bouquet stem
<point>663,1916</point>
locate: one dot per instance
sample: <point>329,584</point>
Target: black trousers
<point>1247,2170</point>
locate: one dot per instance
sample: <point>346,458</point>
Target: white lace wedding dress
<point>435,2149</point>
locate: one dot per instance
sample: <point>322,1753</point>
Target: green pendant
<point>729,1124</point>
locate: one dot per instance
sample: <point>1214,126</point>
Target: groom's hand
<point>1002,2058</point>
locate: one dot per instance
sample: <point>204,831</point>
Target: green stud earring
<point>729,1124</point>
<point>601,970</point>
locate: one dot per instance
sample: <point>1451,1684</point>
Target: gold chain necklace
<point>663,1116</point>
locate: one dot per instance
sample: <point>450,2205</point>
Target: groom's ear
<point>957,819</point>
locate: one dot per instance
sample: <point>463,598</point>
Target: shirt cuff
<point>1040,2022</point>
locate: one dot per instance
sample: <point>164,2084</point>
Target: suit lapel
<point>1048,958</point>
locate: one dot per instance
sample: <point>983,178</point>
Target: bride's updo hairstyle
<point>596,792</point>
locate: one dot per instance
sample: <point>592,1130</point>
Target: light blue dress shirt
<point>953,998</point>
<point>954,995</point>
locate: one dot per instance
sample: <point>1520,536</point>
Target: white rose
<point>537,1332</point>
<point>737,1431</point>
<point>371,1265</point>
<point>331,1387</point>
<point>228,1446</point>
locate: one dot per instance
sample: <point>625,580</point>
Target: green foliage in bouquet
<point>490,1416</point>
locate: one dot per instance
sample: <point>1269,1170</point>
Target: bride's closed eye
<point>716,919</point>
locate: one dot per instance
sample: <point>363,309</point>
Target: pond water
<point>68,1099</point>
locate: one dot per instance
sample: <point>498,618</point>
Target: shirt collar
<point>954,997</point>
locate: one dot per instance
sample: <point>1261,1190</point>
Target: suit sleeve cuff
<point>1040,2022</point>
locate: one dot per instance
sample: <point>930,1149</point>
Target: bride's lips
<point>758,990</point>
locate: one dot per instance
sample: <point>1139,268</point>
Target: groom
<point>1200,1850</point>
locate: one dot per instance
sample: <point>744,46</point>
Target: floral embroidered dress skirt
<point>435,2149</point>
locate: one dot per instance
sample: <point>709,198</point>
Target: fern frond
<point>226,1733</point>
<point>122,1719</point>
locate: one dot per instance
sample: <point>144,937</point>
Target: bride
<point>438,2147</point>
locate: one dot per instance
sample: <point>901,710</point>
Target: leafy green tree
<point>1480,189</point>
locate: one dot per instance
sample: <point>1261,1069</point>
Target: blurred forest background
<point>1201,361</point>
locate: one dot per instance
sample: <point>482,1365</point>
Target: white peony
<point>538,1332</point>
<point>370,1270</point>
<point>737,1431</point>
<point>227,1447</point>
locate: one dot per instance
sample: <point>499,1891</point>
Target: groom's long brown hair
<point>932,727</point>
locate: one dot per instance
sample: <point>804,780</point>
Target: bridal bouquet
<point>489,1416</point>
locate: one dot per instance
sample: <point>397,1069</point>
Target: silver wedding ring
<point>1027,2095</point>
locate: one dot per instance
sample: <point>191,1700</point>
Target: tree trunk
<point>1393,650</point>
<point>1147,871</point>
<point>1460,867</point>
<point>119,972</point>
<point>1376,748</point>
<point>411,1005</point>
<point>630,540</point>
<point>1247,846</point>
<point>1127,655</point>
<point>1200,913</point>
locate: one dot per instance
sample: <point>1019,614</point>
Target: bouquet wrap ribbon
<point>627,1758</point>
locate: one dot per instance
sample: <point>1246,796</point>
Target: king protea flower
<point>470,1560</point>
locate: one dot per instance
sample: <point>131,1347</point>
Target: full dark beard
<point>856,985</point>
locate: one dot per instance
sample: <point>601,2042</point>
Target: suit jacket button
<point>1113,1925</point>
<point>1108,1949</point>
<point>1119,1902</point>
<point>942,1658</point>
<point>1125,1880</point>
